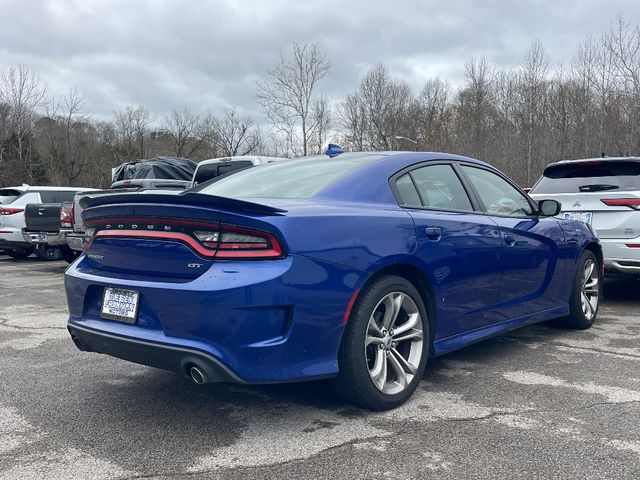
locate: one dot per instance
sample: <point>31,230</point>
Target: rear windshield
<point>8,195</point>
<point>301,178</point>
<point>598,176</point>
<point>208,171</point>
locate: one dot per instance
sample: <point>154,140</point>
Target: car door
<point>532,246</point>
<point>457,245</point>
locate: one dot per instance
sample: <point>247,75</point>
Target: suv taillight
<point>10,211</point>
<point>633,203</point>
<point>66,219</point>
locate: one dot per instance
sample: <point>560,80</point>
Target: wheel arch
<point>414,275</point>
<point>596,248</point>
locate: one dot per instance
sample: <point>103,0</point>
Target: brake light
<point>65,217</point>
<point>633,203</point>
<point>240,242</point>
<point>633,245</point>
<point>205,238</point>
<point>10,211</point>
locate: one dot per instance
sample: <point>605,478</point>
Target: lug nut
<point>391,332</point>
<point>381,346</point>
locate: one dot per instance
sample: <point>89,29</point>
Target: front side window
<point>438,187</point>
<point>498,196</point>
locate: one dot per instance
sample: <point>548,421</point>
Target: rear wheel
<point>19,252</point>
<point>46,252</point>
<point>586,294</point>
<point>69,254</point>
<point>385,345</point>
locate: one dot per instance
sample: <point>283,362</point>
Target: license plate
<point>43,236</point>
<point>119,304</point>
<point>584,217</point>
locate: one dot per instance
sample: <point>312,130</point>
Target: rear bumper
<point>54,239</point>
<point>75,241</point>
<point>257,322</point>
<point>166,357</point>
<point>12,238</point>
<point>620,259</point>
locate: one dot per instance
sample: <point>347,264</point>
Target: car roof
<point>595,159</point>
<point>242,158</point>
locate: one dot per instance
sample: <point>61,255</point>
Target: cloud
<point>209,54</point>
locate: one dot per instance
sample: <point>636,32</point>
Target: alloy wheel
<point>590,289</point>
<point>394,342</point>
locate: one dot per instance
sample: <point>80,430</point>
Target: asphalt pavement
<point>539,403</point>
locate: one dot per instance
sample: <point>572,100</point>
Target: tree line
<point>519,119</point>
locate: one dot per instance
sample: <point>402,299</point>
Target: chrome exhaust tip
<point>197,375</point>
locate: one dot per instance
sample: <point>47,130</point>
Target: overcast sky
<point>208,54</point>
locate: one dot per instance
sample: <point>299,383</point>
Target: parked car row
<point>47,221</point>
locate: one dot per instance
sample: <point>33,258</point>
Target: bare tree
<point>66,136</point>
<point>131,125</point>
<point>24,93</point>
<point>186,129</point>
<point>288,96</point>
<point>532,84</point>
<point>236,134</point>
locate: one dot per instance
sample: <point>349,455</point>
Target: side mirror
<point>549,208</point>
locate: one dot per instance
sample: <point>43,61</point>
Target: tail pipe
<point>197,375</point>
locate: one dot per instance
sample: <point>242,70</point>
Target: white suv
<point>13,201</point>
<point>604,193</point>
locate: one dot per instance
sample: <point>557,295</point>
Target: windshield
<point>301,178</point>
<point>590,176</point>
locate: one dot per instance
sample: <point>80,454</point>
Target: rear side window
<point>590,176</point>
<point>8,195</point>
<point>407,193</point>
<point>437,186</point>
<point>208,171</point>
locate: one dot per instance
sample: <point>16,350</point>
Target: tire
<point>19,252</point>
<point>359,363</point>
<point>69,254</point>
<point>45,252</point>
<point>583,310</point>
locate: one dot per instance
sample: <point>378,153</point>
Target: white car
<point>13,201</point>
<point>215,167</point>
<point>604,193</point>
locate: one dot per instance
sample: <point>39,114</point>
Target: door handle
<point>510,240</point>
<point>433,233</point>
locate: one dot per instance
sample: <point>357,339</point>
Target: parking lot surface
<point>538,403</point>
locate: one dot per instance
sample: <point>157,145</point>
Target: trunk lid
<point>164,235</point>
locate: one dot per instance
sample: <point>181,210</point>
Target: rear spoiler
<point>187,198</point>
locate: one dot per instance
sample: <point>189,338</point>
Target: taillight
<point>10,211</point>
<point>240,242</point>
<point>206,238</point>
<point>633,203</point>
<point>66,220</point>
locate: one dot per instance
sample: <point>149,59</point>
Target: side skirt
<point>461,340</point>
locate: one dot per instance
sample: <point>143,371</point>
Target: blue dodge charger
<point>355,268</point>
